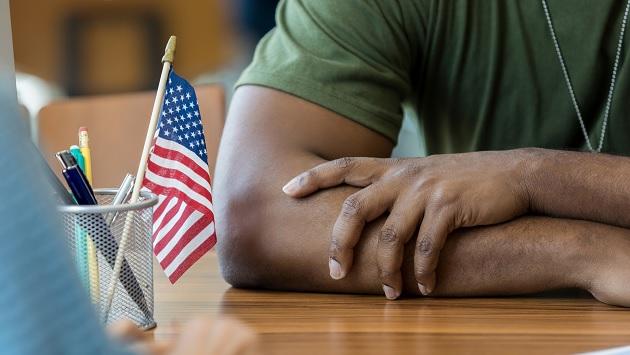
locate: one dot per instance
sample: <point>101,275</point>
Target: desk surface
<point>298,323</point>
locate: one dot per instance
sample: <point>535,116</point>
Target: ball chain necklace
<point>565,72</point>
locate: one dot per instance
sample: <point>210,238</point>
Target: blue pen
<point>76,180</point>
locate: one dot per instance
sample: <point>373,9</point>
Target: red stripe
<point>178,175</point>
<point>192,258</point>
<point>171,191</point>
<point>176,155</point>
<point>161,207</point>
<point>169,235</point>
<point>169,215</point>
<point>191,233</point>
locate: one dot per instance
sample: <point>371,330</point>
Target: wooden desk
<point>297,323</point>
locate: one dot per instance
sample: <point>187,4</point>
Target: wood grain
<point>299,323</point>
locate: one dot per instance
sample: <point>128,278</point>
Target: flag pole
<point>167,60</point>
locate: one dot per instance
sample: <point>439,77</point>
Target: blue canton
<point>180,120</point>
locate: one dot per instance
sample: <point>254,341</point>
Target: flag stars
<point>186,135</point>
<point>188,95</point>
<point>177,109</point>
<point>167,102</point>
<point>181,97</point>
<point>195,124</point>
<point>179,88</point>
<point>170,110</point>
<point>175,99</point>
<point>196,113</point>
<point>193,134</point>
<point>167,133</point>
<point>192,145</point>
<point>169,121</point>
<point>161,124</point>
<point>175,130</point>
<point>187,126</point>
<point>189,115</point>
<point>185,107</point>
<point>179,138</point>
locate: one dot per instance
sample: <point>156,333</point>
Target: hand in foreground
<point>440,193</point>
<point>198,337</point>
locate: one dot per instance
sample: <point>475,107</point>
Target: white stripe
<point>168,207</point>
<point>167,228</point>
<point>182,168</point>
<point>194,217</point>
<point>172,145</point>
<point>174,183</point>
<point>204,235</point>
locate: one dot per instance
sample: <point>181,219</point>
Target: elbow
<point>239,221</point>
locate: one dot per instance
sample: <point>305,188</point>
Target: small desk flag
<point>177,171</point>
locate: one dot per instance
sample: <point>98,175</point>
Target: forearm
<point>578,185</point>
<point>283,244</point>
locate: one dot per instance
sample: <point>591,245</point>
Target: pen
<point>81,239</point>
<point>76,180</point>
<point>121,196</point>
<point>106,243</point>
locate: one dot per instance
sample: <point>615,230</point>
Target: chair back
<point>117,126</point>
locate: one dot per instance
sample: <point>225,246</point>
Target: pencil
<point>95,290</point>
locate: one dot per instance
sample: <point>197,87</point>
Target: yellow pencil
<point>95,290</point>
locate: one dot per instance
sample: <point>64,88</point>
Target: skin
<point>272,240</point>
<point>442,193</point>
<point>201,336</point>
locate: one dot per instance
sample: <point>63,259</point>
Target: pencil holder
<point>93,234</point>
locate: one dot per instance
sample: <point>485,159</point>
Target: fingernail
<point>390,293</point>
<point>291,187</point>
<point>335,269</point>
<point>423,290</point>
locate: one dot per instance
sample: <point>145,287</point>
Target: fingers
<point>126,331</point>
<point>396,232</point>
<point>431,238</point>
<point>352,171</point>
<point>223,336</point>
<point>358,209</point>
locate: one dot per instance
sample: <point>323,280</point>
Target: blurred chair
<point>117,126</point>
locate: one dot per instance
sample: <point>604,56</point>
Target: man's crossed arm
<point>268,239</point>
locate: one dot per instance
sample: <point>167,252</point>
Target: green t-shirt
<point>481,74</point>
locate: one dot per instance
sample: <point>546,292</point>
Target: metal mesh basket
<point>93,234</point>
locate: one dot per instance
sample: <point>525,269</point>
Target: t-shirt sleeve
<point>353,57</point>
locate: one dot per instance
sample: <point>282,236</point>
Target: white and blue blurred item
<point>34,93</point>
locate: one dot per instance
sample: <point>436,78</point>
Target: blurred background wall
<point>95,47</point>
<point>91,47</point>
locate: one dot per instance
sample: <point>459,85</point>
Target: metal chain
<point>567,78</point>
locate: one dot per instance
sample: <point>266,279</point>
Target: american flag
<point>177,171</point>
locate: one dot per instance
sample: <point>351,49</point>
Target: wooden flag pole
<point>167,60</point>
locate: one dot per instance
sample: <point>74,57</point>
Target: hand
<point>440,193</point>
<point>197,337</point>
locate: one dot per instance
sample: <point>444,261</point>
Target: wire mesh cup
<point>93,234</point>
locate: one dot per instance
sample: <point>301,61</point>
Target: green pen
<point>76,153</point>
<point>80,237</point>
